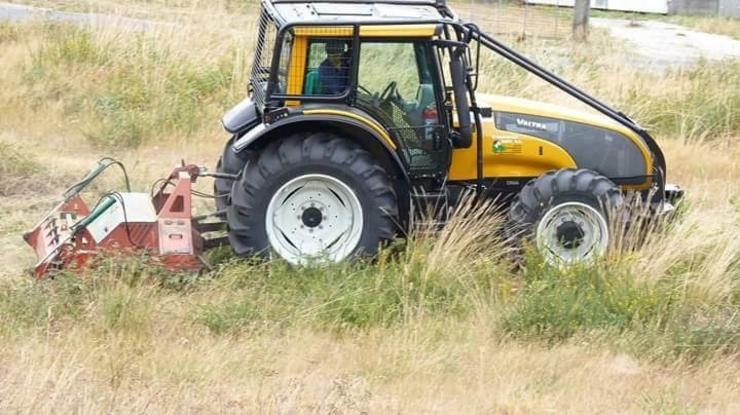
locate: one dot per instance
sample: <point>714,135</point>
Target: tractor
<point>362,113</point>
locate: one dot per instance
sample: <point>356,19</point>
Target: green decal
<point>499,147</point>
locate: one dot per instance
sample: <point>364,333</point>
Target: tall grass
<point>17,169</point>
<point>128,88</point>
<point>700,102</point>
<point>463,274</point>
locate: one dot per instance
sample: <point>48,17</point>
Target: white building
<point>643,6</point>
<point>708,7</point>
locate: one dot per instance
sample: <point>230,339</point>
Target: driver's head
<point>335,51</point>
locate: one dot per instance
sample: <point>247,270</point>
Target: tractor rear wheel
<point>566,212</point>
<point>312,197</point>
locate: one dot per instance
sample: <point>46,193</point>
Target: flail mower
<point>160,223</point>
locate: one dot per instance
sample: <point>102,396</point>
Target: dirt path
<point>658,46</point>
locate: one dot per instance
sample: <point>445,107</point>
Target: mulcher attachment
<point>125,222</point>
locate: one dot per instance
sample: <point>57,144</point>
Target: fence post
<point>580,19</point>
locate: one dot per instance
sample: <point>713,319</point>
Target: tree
<point>580,19</point>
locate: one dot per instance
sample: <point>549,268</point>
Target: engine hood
<point>541,109</point>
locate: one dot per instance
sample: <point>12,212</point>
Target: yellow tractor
<point>361,113</point>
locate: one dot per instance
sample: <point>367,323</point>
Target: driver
<point>334,70</point>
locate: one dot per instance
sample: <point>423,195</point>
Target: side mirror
<point>460,90</point>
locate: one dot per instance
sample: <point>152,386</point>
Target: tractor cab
<point>369,62</point>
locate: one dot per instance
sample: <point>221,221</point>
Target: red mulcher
<point>161,224</point>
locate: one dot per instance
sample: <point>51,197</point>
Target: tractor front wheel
<point>566,214</point>
<point>314,197</point>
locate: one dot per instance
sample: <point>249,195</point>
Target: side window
<point>395,83</point>
<point>328,66</point>
<point>284,66</point>
<point>395,78</point>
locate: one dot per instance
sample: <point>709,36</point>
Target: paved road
<point>659,45</point>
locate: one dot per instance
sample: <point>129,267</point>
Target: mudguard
<point>362,131</point>
<point>241,117</point>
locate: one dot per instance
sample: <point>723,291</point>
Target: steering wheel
<point>390,92</point>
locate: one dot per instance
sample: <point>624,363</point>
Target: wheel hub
<point>312,217</point>
<point>570,234</point>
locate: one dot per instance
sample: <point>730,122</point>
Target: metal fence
<point>517,18</point>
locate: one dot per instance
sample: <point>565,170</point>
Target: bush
<point>14,162</point>
<point>31,304</point>
<point>9,32</point>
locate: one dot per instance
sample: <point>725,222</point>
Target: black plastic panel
<point>595,148</point>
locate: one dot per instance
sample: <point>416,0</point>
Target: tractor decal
<point>507,146</point>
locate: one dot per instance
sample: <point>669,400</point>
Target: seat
<point>312,85</point>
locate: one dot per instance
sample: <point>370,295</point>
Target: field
<point>442,324</point>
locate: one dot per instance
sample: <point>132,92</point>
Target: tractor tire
<point>231,164</point>
<point>312,197</point>
<point>565,213</point>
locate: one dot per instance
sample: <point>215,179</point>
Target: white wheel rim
<point>572,232</point>
<point>315,218</point>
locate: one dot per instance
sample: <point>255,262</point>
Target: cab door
<point>399,84</point>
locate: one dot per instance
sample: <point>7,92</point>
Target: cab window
<point>328,67</point>
<point>396,84</point>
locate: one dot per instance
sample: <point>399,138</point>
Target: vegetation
<point>440,324</point>
<point>140,90</point>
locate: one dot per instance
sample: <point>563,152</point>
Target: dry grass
<point>380,371</point>
<point>442,325</point>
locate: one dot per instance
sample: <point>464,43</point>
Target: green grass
<point>707,104</point>
<point>16,162</point>
<point>128,89</point>
<point>656,319</point>
<point>341,297</point>
<point>17,169</point>
<point>557,304</point>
